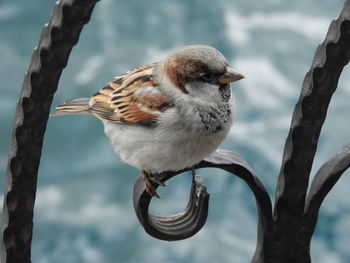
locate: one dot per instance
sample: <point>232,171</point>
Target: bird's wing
<point>133,97</point>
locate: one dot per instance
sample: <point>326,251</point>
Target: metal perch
<point>189,222</point>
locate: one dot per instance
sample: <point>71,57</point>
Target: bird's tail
<point>73,106</point>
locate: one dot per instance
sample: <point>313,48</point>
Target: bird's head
<point>199,70</point>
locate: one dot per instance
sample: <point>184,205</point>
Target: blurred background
<point>83,210</point>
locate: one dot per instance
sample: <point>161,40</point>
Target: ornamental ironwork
<point>284,232</point>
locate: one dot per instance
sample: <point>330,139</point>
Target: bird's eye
<point>207,77</point>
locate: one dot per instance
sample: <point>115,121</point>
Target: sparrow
<point>168,115</point>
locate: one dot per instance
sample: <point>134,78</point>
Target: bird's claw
<point>148,180</point>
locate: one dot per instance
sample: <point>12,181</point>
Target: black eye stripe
<point>209,77</point>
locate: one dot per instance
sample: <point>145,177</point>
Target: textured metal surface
<point>309,115</point>
<point>190,221</point>
<point>177,227</point>
<point>40,83</point>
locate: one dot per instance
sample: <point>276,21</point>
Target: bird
<point>168,115</point>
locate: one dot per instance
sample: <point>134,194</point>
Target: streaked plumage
<point>167,115</point>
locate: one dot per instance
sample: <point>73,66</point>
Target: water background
<point>83,210</point>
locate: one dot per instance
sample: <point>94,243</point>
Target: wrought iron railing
<point>284,233</point>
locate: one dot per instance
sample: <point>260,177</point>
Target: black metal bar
<point>326,177</point>
<point>309,114</point>
<point>189,222</point>
<point>235,164</point>
<point>39,85</point>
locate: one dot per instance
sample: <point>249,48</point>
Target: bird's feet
<point>148,180</point>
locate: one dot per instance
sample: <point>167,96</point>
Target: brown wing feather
<point>133,98</point>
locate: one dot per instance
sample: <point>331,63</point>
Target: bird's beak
<point>230,76</point>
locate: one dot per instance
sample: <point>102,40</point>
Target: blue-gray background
<point>84,210</point>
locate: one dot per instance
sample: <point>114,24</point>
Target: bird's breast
<point>216,119</point>
<point>178,141</point>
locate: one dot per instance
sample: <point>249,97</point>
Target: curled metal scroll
<point>177,227</point>
<point>192,219</point>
